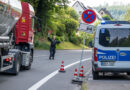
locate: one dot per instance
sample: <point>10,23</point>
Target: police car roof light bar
<point>115,22</point>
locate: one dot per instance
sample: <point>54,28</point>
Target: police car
<point>111,52</point>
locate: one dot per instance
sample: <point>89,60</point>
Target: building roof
<point>81,4</point>
<point>106,12</point>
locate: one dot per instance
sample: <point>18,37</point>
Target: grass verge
<point>45,45</point>
<point>84,86</point>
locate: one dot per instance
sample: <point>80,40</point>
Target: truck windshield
<point>114,37</point>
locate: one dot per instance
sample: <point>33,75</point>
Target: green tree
<point>71,26</point>
<point>96,24</point>
<point>127,15</point>
<point>58,17</point>
<point>46,10</point>
<point>72,13</point>
<point>107,17</point>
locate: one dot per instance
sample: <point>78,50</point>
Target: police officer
<point>52,46</point>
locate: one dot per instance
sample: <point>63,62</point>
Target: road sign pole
<point>82,52</point>
<point>78,78</point>
<point>88,16</point>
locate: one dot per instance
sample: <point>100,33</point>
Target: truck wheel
<point>16,65</point>
<point>30,62</point>
<point>95,75</point>
<point>128,73</point>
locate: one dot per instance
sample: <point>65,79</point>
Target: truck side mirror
<point>38,25</point>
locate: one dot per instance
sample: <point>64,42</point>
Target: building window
<point>102,13</point>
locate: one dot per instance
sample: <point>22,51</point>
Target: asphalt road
<point>109,82</point>
<point>43,67</point>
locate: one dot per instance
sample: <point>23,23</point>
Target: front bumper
<point>109,69</point>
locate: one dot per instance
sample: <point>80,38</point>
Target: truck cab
<point>16,36</point>
<point>111,52</point>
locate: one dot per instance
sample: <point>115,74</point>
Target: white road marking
<point>48,77</point>
<point>88,72</point>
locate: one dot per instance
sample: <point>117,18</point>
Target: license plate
<point>107,63</point>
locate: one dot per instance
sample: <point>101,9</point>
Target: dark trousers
<point>52,52</point>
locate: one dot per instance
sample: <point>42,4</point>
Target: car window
<point>110,37</point>
<point>124,38</point>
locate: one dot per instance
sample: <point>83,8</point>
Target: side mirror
<point>39,30</point>
<point>90,45</point>
<point>38,24</point>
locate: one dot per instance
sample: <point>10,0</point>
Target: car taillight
<point>95,54</point>
<point>13,59</point>
<point>7,59</point>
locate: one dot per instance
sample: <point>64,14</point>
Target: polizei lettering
<point>107,57</point>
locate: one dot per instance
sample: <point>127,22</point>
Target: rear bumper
<point>109,69</point>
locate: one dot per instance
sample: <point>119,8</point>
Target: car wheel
<point>128,73</point>
<point>95,75</point>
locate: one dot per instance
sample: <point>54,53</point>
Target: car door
<point>124,44</point>
<point>107,53</point>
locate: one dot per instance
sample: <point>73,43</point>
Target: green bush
<point>58,38</point>
<point>36,43</point>
<point>41,45</point>
<point>62,38</point>
<point>106,17</point>
<point>74,40</point>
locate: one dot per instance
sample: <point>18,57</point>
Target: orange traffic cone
<point>81,74</point>
<point>76,78</point>
<point>75,73</point>
<point>62,67</point>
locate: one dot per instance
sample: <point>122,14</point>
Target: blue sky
<point>101,2</point>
